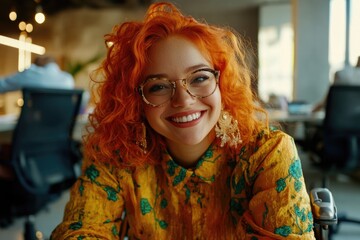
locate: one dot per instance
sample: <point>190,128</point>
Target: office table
<point>8,122</point>
<point>297,125</point>
<point>282,116</point>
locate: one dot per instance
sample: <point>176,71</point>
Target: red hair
<point>115,124</point>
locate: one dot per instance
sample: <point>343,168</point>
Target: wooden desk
<point>8,123</point>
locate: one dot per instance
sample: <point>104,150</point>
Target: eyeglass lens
<point>201,83</point>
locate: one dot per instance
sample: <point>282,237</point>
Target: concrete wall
<point>311,69</point>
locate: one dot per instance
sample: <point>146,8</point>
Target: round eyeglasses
<point>201,83</point>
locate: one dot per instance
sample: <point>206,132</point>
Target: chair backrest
<point>42,153</point>
<point>342,126</point>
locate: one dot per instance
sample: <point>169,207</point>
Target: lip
<point>184,114</point>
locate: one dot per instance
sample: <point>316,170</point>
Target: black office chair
<point>337,142</point>
<point>43,155</point>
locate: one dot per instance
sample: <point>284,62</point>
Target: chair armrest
<point>323,206</point>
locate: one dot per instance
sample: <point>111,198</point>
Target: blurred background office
<point>297,45</point>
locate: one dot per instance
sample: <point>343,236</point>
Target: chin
<point>197,141</point>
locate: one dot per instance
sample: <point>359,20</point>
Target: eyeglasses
<point>202,83</point>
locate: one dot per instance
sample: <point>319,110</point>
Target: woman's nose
<point>181,97</point>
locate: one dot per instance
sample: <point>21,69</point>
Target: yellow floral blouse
<point>257,193</point>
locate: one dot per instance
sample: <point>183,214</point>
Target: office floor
<point>346,192</point>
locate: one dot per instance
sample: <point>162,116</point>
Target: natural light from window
<point>337,38</point>
<point>276,49</point>
<point>276,45</point>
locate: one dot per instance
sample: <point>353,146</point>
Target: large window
<point>337,38</point>
<point>276,51</point>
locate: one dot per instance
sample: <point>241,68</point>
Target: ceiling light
<point>12,15</point>
<point>11,42</point>
<point>29,27</point>
<point>22,26</point>
<point>39,16</point>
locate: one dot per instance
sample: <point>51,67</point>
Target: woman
<point>179,143</point>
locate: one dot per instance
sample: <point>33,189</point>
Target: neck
<point>187,156</point>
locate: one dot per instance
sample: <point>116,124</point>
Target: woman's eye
<point>158,87</point>
<point>199,79</point>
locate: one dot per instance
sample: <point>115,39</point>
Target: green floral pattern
<point>146,208</point>
<point>294,176</point>
<point>163,197</point>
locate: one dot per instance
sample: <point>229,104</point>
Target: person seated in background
<point>44,72</point>
<point>179,143</point>
<point>349,75</point>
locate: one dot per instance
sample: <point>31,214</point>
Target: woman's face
<point>184,120</point>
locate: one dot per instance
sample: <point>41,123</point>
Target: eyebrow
<point>190,69</point>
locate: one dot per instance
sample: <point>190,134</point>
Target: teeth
<point>187,118</point>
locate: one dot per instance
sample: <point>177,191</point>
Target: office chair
<point>324,212</point>
<point>43,155</point>
<point>337,141</point>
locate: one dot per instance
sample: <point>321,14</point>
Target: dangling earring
<point>227,130</point>
<point>141,142</point>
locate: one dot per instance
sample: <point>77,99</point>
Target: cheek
<point>217,104</point>
<point>216,100</point>
<point>148,113</point>
<point>152,115</point>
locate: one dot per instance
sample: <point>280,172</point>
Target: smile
<point>187,118</point>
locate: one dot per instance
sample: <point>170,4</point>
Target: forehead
<point>174,55</point>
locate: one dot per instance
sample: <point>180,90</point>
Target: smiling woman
<point>177,143</point>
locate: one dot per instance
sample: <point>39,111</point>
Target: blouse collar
<point>206,170</point>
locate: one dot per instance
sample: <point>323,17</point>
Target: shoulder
<point>269,139</point>
<point>269,147</point>
<point>346,76</point>
<point>110,173</point>
<point>272,156</point>
<point>52,65</point>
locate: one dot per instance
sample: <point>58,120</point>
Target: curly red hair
<point>116,121</point>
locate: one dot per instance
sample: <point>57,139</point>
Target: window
<point>337,38</point>
<point>276,51</point>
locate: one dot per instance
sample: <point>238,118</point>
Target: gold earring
<point>227,130</point>
<point>141,142</point>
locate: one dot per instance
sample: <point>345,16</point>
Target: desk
<point>282,116</point>
<point>296,125</point>
<point>8,123</point>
